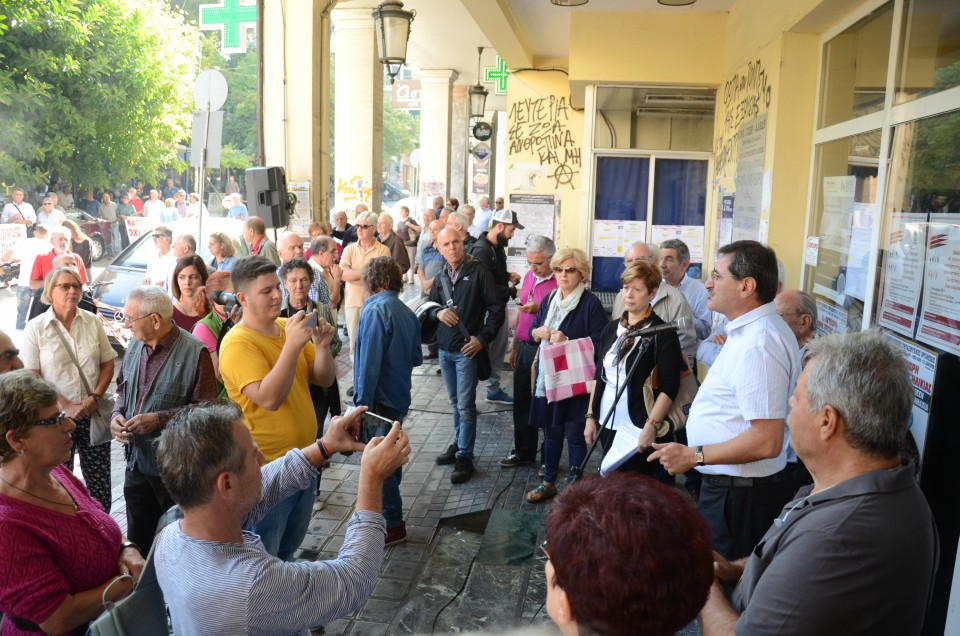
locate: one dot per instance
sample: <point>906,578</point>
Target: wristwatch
<point>699,456</point>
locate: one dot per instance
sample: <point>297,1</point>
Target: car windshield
<point>141,250</point>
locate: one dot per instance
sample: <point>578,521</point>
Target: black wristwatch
<point>128,544</point>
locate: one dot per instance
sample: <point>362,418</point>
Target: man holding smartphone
<point>380,383</point>
<point>267,364</point>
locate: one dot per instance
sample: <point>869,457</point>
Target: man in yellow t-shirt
<point>267,364</point>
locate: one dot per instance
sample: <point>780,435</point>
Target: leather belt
<point>729,481</point>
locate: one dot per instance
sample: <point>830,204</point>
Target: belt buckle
<point>742,482</point>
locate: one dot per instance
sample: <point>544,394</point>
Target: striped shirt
<point>752,379</point>
<point>233,589</point>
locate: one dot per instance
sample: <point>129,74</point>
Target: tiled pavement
<point>432,506</point>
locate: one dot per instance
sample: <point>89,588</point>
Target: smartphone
<point>312,319</point>
<point>372,425</point>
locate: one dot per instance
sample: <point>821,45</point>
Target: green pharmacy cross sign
<point>230,18</point>
<point>498,75</point>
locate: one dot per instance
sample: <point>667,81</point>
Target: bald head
<point>799,310</point>
<point>9,355</point>
<point>290,246</point>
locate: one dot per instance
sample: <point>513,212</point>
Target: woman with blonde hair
<point>569,313</point>
<point>223,252</point>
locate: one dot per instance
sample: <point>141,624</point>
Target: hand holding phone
<point>372,425</point>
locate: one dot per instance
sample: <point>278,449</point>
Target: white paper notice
<point>537,213</point>
<point>923,369</point>
<point>940,322</point>
<point>903,275</point>
<point>830,319</point>
<point>838,195</point>
<point>623,448</point>
<point>692,235</point>
<point>812,253</point>
<point>613,238</point>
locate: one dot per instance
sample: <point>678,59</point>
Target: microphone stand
<point>644,345</point>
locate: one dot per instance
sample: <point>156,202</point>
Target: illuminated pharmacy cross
<point>230,18</point>
<point>497,74</point>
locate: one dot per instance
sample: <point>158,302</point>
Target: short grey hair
<point>60,231</point>
<point>447,209</point>
<point>459,219</point>
<point>464,207</point>
<point>683,252</point>
<point>52,277</point>
<point>321,244</point>
<point>541,245</point>
<point>652,247</point>
<point>866,379</point>
<point>806,304</point>
<point>188,240</point>
<point>197,445</point>
<point>367,217</point>
<point>153,300</point>
<point>22,394</point>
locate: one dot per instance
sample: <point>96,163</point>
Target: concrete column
<point>459,144</point>
<point>295,113</point>
<point>358,125</point>
<point>435,113</point>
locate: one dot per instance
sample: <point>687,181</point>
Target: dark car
<point>97,229</point>
<point>128,270</point>
<point>392,192</point>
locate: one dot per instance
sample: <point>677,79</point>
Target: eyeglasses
<point>543,548</point>
<point>127,320</point>
<point>157,236</point>
<point>795,313</point>
<point>47,203</point>
<point>363,227</point>
<point>65,287</point>
<point>715,276</point>
<point>56,420</point>
<point>566,270</point>
<point>9,353</point>
<point>536,264</point>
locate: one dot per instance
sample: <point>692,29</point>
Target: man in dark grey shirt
<point>857,552</point>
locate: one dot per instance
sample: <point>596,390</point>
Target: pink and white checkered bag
<point>568,369</point>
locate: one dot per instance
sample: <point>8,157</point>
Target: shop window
<point>655,118</point>
<point>620,216</point>
<point>680,205</point>
<point>854,73</point>
<point>930,51</point>
<point>843,215</point>
<point>919,288</point>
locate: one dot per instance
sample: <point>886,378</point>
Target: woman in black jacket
<point>617,355</point>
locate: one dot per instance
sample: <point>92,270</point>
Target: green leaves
<point>92,91</point>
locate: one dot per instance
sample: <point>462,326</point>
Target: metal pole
<point>203,165</point>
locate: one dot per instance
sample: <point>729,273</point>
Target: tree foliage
<point>92,91</point>
<point>401,131</point>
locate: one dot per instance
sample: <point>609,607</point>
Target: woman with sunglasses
<point>569,313</point>
<point>44,351</point>
<point>59,551</point>
<point>618,353</point>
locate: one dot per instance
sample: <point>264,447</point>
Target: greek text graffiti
<point>541,127</point>
<point>746,95</point>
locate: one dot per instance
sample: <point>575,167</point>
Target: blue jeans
<point>283,528</point>
<point>24,295</point>
<point>392,501</point>
<point>553,435</point>
<point>460,376</point>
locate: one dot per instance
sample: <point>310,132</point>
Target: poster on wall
<point>923,370</point>
<point>302,190</point>
<point>838,195</point>
<point>537,214</point>
<point>10,234</point>
<point>725,233</point>
<point>940,320</point>
<point>692,235</point>
<point>830,319</point>
<point>614,238</point>
<point>751,150</point>
<point>903,275</point>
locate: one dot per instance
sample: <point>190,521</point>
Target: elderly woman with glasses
<point>355,256</point>
<point>569,313</point>
<point>625,555</point>
<point>59,551</point>
<point>618,355</point>
<point>48,342</point>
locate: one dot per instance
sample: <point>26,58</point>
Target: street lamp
<point>478,94</point>
<point>569,3</point>
<point>676,3</point>
<point>392,26</point>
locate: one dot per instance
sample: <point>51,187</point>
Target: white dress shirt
<point>752,379</point>
<point>696,294</point>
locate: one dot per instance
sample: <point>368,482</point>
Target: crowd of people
<point>228,405</point>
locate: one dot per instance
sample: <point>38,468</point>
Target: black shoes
<point>462,471</point>
<point>448,457</point>
<point>513,460</point>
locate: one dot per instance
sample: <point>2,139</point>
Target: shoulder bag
<point>680,408</point>
<point>99,419</point>
<point>483,357</point>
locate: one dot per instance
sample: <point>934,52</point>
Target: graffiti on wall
<point>354,189</point>
<point>541,127</point>
<point>746,95</point>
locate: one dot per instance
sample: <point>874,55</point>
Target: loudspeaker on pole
<point>267,195</point>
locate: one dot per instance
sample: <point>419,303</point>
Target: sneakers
<point>462,471</point>
<point>396,535</point>
<point>542,492</point>
<point>500,397</point>
<point>513,460</point>
<point>543,469</point>
<point>448,457</point>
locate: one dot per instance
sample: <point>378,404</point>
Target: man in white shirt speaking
<point>736,429</point>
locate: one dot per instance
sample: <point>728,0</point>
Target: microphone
<point>677,325</point>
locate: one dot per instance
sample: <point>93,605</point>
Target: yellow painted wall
<point>655,47</point>
<point>545,134</point>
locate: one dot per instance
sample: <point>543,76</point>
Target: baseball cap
<point>507,216</point>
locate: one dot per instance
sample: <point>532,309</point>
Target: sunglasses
<point>364,227</point>
<point>158,236</point>
<point>65,287</point>
<point>565,270</point>
<point>51,421</point>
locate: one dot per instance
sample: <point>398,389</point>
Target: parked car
<point>97,229</point>
<point>392,192</point>
<point>128,270</point>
